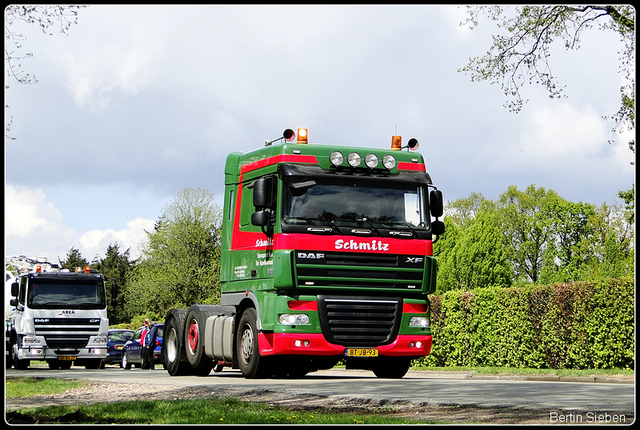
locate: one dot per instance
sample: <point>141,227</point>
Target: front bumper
<point>313,344</point>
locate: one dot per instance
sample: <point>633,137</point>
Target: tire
<point>19,364</point>
<point>172,346</point>
<point>392,368</point>
<point>125,361</point>
<point>201,365</point>
<point>92,364</point>
<point>250,362</point>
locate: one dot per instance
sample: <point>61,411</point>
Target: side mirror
<point>260,218</point>
<point>15,289</point>
<point>262,189</point>
<point>435,203</point>
<point>437,228</point>
<point>13,302</point>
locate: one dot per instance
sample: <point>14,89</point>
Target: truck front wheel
<point>250,362</point>
<point>394,368</point>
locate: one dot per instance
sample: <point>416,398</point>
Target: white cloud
<point>557,130</point>
<point>95,242</point>
<point>35,228</point>
<point>27,211</point>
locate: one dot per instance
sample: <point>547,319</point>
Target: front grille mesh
<point>359,321</point>
<point>67,332</point>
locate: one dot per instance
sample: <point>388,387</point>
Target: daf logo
<point>414,260</point>
<point>41,320</point>
<point>94,320</point>
<point>311,255</point>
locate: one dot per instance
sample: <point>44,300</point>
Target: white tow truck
<point>57,316</point>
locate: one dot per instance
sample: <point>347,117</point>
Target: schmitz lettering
<point>374,245</point>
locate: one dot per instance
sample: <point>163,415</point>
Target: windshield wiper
<point>322,230</point>
<point>411,231</point>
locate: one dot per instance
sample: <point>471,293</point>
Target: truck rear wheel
<point>194,342</point>
<point>250,362</point>
<point>172,346</point>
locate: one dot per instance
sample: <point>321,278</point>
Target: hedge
<point>582,325</point>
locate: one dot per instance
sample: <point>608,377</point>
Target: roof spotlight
<point>371,160</point>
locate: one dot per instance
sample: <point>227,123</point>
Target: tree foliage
<point>532,236</point>
<point>74,259</point>
<point>116,266</point>
<point>522,54</point>
<point>180,264</point>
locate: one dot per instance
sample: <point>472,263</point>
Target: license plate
<point>361,352</point>
<point>119,346</point>
<point>67,357</point>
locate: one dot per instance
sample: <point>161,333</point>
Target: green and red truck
<point>326,256</point>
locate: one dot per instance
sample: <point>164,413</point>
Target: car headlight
<point>293,319</point>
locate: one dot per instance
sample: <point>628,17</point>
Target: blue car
<point>131,352</point>
<point>116,338</point>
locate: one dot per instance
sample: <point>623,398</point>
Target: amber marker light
<point>302,135</point>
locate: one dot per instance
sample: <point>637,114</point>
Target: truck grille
<point>359,321</point>
<point>67,332</point>
<point>359,270</point>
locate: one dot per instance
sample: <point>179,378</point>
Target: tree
<point>116,267</point>
<point>471,253</point>
<point>180,264</point>
<point>74,260</point>
<point>526,227</point>
<point>45,16</point>
<point>522,55</point>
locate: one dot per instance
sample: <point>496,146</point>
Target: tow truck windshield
<point>400,209</point>
<point>52,294</point>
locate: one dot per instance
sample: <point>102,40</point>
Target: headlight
<point>354,159</point>
<point>389,161</point>
<point>99,340</point>
<point>336,158</point>
<point>419,322</point>
<point>371,160</point>
<point>293,319</point>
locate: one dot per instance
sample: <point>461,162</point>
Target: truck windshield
<point>355,205</point>
<point>66,294</point>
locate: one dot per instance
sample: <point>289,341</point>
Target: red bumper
<point>316,344</point>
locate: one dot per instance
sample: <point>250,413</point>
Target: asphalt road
<point>432,388</point>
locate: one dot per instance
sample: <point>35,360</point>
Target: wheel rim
<point>247,344</point>
<point>171,346</point>
<point>193,337</point>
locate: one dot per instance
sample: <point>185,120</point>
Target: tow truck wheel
<point>250,362</point>
<point>194,342</point>
<point>172,349</point>
<point>17,363</point>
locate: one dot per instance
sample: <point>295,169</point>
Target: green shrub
<point>582,325</point>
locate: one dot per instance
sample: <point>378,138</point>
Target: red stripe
<point>412,166</point>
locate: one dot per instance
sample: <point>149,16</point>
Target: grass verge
<point>198,411</point>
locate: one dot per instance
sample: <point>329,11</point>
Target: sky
<point>137,103</point>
